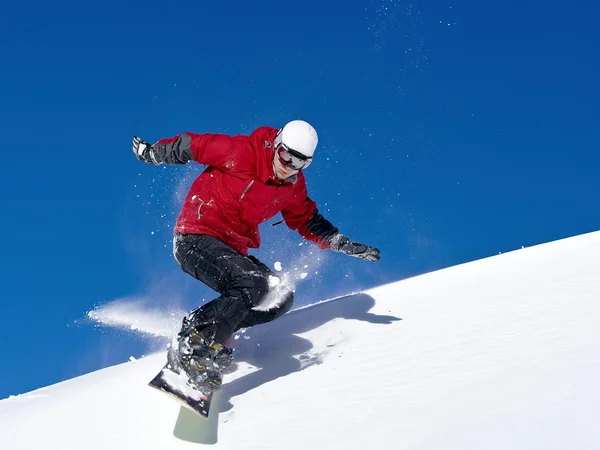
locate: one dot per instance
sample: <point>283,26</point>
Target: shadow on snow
<point>276,350</point>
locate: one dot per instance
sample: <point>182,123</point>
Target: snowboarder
<point>248,179</point>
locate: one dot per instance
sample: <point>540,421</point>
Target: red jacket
<point>238,190</point>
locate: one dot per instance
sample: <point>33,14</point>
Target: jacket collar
<point>291,180</point>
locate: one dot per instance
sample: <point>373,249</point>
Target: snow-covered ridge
<point>501,353</point>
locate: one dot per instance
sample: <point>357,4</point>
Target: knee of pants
<point>251,289</point>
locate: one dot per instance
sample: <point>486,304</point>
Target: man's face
<point>280,171</point>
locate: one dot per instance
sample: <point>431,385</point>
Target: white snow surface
<point>501,353</point>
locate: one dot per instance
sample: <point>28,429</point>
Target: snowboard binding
<point>203,362</point>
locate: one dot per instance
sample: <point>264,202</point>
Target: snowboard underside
<point>177,386</point>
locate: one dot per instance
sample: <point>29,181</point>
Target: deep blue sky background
<point>448,132</point>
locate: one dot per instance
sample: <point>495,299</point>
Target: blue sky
<point>448,132</point>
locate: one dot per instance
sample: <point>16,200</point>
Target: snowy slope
<point>502,353</point>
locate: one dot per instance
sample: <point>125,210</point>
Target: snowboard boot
<point>224,360</point>
<point>203,362</point>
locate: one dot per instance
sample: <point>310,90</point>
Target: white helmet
<point>298,135</point>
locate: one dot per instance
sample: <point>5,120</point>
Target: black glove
<point>144,151</point>
<point>341,243</point>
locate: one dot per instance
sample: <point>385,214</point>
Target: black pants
<point>241,280</point>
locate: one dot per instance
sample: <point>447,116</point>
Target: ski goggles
<point>291,158</point>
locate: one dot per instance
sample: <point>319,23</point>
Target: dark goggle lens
<point>287,159</point>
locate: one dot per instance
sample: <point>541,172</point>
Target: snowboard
<point>178,386</point>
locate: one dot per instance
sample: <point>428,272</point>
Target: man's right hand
<point>144,151</point>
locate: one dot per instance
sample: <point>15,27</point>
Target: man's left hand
<point>341,243</point>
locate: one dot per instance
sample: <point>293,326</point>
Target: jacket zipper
<point>246,190</point>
